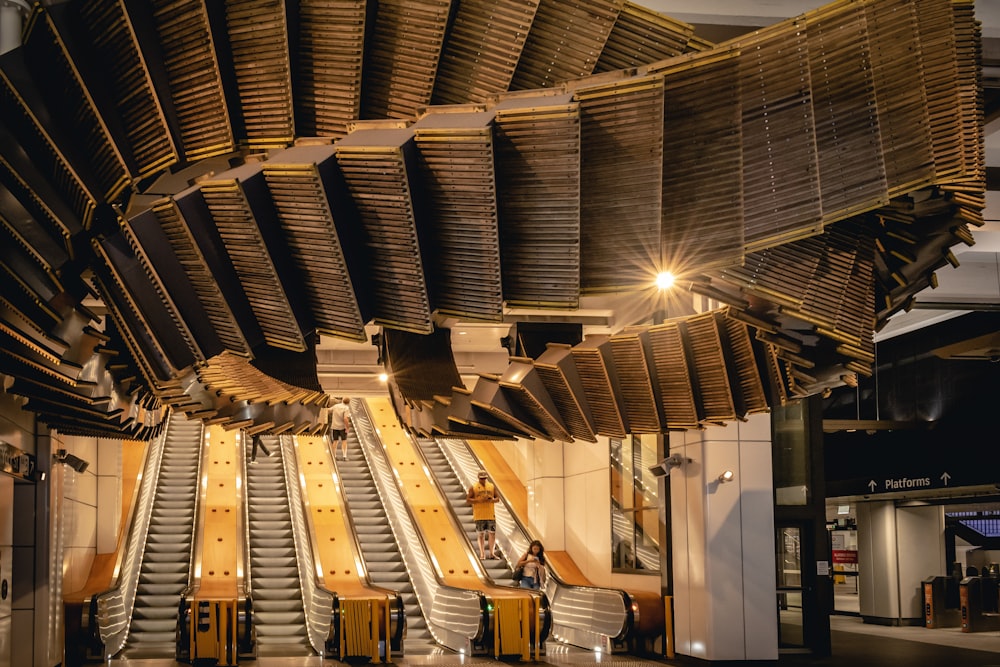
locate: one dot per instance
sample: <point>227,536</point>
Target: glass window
<point>635,505</point>
<point>790,454</point>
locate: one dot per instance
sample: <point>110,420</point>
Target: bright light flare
<point>383,377</point>
<point>664,280</point>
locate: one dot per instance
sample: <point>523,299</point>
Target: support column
<point>11,23</point>
<point>898,547</point>
<point>6,567</point>
<point>723,543</point>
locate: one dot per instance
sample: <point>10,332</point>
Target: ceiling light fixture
<point>664,280</point>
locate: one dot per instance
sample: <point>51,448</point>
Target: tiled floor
<point>855,644</point>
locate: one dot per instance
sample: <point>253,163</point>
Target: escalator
<point>451,487</point>
<point>378,547</point>
<point>279,617</point>
<point>625,554</point>
<point>166,561</point>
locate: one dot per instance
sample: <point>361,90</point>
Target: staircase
<point>278,615</point>
<point>378,547</point>
<point>499,570</point>
<point>165,568</point>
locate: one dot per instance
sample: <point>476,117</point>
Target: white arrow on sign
<point>945,477</point>
<point>872,484</point>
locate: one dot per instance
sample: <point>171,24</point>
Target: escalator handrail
<point>245,576</point>
<point>454,615</point>
<point>114,606</point>
<point>360,567</point>
<point>317,601</point>
<point>514,538</point>
<point>452,516</point>
<point>197,533</point>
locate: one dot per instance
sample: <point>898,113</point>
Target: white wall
<point>878,566</point>
<point>17,554</point>
<point>569,504</point>
<point>898,547</point>
<point>78,512</point>
<point>723,543</point>
<point>920,542</point>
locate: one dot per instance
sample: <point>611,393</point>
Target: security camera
<point>666,465</point>
<point>74,462</point>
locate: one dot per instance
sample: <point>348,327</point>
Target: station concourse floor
<point>855,644</point>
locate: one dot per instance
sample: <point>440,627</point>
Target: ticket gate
<point>978,603</point>
<point>941,602</point>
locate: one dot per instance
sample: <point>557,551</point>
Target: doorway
<point>800,617</point>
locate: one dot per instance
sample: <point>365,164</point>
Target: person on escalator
<point>482,496</point>
<point>258,443</point>
<point>533,566</point>
<point>340,421</point>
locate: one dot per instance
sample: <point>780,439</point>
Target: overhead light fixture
<point>666,465</point>
<point>74,462</point>
<point>664,280</point>
<point>727,476</point>
<point>383,377</point>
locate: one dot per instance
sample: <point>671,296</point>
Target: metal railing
<point>584,616</point>
<point>115,606</point>
<point>317,602</point>
<point>454,615</point>
<point>397,619</point>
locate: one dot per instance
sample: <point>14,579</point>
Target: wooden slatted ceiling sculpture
<point>243,211</point>
<point>320,224</point>
<point>537,147</point>
<point>457,165</point>
<point>330,56</point>
<point>621,169</point>
<point>482,50</point>
<point>378,163</point>
<point>839,153</point>
<point>98,158</point>
<point>193,77</point>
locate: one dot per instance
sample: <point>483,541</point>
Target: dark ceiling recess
<point>917,379</point>
<point>532,337</point>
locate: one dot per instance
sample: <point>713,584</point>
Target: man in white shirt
<point>340,420</point>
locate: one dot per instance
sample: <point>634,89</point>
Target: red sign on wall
<point>845,557</point>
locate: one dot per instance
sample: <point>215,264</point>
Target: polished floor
<point>855,644</point>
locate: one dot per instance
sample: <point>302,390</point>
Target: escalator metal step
<point>280,622</point>
<point>164,568</point>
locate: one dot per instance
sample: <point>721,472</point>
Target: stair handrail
<point>317,601</point>
<point>244,574</point>
<point>114,606</point>
<point>611,615</point>
<point>454,615</point>
<point>359,562</point>
<point>197,534</point>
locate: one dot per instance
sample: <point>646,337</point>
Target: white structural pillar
<point>725,604</point>
<point>11,23</point>
<point>898,547</point>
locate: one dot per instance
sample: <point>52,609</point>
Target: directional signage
<point>937,479</point>
<point>907,483</point>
